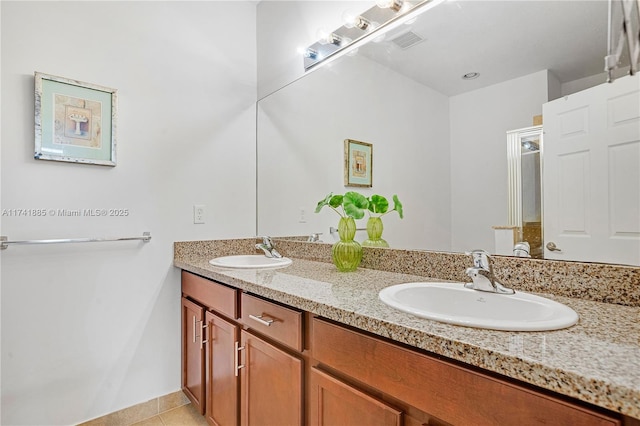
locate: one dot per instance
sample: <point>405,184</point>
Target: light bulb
<point>308,53</point>
<point>373,25</point>
<point>349,19</point>
<point>394,5</point>
<point>322,35</point>
<point>406,6</point>
<point>311,54</point>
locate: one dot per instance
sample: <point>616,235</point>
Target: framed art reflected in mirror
<point>358,163</point>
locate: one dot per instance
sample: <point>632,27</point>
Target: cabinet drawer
<point>445,390</point>
<point>276,321</point>
<point>216,296</point>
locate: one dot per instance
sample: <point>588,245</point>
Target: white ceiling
<point>501,40</point>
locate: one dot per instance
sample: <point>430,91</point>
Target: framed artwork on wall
<point>358,163</point>
<point>74,121</point>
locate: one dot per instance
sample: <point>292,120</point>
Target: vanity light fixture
<point>471,75</point>
<point>359,28</point>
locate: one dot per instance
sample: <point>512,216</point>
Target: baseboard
<point>139,412</point>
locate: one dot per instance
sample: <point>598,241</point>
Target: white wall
<point>479,121</point>
<point>301,151</point>
<point>88,329</point>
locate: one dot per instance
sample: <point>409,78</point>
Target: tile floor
<point>184,415</point>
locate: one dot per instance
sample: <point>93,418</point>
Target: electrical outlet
<point>198,213</point>
<point>303,216</point>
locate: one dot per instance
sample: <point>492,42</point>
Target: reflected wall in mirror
<point>441,142</point>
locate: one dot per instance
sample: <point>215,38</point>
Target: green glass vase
<point>347,253</point>
<point>374,233</point>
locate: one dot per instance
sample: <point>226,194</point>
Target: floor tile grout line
<point>158,412</point>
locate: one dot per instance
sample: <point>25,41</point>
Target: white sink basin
<point>250,261</point>
<point>454,304</point>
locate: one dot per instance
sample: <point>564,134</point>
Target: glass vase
<point>346,253</point>
<point>374,233</point>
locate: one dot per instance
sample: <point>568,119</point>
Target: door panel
<point>222,382</point>
<point>271,384</point>
<point>592,174</point>
<point>193,354</point>
<point>333,402</point>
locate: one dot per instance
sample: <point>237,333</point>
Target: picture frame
<point>74,121</point>
<point>358,163</point>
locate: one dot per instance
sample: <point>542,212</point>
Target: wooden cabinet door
<point>333,402</point>
<point>221,378</point>
<point>193,354</point>
<point>271,384</point>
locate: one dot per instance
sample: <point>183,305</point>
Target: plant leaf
<point>378,204</point>
<point>323,202</point>
<point>354,204</point>
<point>397,206</point>
<point>336,201</point>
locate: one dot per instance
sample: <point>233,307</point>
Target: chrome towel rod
<point>333,230</point>
<point>146,237</point>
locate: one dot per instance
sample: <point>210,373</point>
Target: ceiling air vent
<point>407,39</point>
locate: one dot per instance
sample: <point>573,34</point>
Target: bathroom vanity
<point>306,344</point>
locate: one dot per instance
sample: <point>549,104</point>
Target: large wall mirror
<point>439,141</point>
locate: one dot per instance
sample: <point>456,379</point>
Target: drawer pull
<point>236,357</point>
<point>258,318</point>
<point>202,327</point>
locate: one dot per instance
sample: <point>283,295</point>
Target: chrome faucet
<point>268,248</point>
<point>482,274</point>
<point>314,238</point>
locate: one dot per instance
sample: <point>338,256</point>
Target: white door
<point>591,168</point>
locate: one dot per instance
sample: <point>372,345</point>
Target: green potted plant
<point>378,206</point>
<point>346,253</point>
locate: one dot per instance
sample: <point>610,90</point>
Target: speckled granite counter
<point>597,360</point>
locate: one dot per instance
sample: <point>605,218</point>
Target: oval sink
<point>454,304</point>
<point>250,261</point>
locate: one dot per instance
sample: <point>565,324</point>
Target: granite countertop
<point>597,360</point>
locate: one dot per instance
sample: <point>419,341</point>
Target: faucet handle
<point>481,258</point>
<point>266,240</point>
<point>314,237</point>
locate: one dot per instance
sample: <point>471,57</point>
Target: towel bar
<point>4,243</point>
